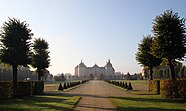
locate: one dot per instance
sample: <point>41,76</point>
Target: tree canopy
<point>144,55</point>
<point>41,58</point>
<point>169,38</point>
<point>15,42</point>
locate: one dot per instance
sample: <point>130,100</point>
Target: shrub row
<point>67,85</point>
<point>122,84</point>
<point>169,88</point>
<point>154,86</point>
<point>6,89</point>
<point>24,88</point>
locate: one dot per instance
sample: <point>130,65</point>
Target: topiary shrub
<point>68,85</point>
<point>130,86</point>
<point>123,84</point>
<point>64,86</point>
<point>60,87</point>
<point>126,85</point>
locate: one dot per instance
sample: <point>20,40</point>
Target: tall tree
<point>15,46</point>
<point>144,55</point>
<point>170,38</point>
<point>41,58</point>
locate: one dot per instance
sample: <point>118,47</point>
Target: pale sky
<point>90,30</point>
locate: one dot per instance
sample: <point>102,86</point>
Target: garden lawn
<point>147,102</point>
<point>40,103</point>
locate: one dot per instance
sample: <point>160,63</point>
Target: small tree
<point>60,87</point>
<point>41,56</point>
<point>15,46</point>
<point>144,55</point>
<point>126,85</point>
<point>64,85</point>
<point>130,86</point>
<point>170,39</point>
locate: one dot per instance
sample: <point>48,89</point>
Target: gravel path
<point>95,95</point>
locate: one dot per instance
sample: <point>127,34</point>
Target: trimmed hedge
<point>154,86</point>
<point>168,88</point>
<point>38,87</point>
<point>173,88</point>
<point>182,88</point>
<point>24,88</point>
<point>6,89</point>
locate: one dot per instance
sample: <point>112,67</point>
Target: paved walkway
<point>95,95</point>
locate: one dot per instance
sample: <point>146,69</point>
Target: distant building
<point>95,72</point>
<point>135,76</point>
<point>68,76</point>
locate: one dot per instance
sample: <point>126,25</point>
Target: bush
<point>60,87</point>
<point>130,86</point>
<point>165,88</point>
<point>64,86</point>
<point>24,88</point>
<point>123,84</point>
<point>154,86</point>
<point>126,85</point>
<point>38,87</point>
<point>173,88</point>
<point>182,88</point>
<point>6,89</point>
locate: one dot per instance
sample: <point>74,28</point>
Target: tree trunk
<point>14,67</point>
<point>39,74</point>
<point>151,71</point>
<point>171,66</point>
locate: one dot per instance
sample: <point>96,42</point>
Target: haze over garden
<point>92,31</point>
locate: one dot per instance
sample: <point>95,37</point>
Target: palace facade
<point>95,72</point>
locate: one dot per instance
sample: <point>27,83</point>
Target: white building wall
<point>76,71</point>
<point>89,71</point>
<point>107,71</point>
<point>82,71</point>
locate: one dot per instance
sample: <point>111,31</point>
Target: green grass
<point>145,101</point>
<point>50,102</point>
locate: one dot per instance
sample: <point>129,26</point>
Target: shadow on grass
<point>141,99</point>
<point>48,102</point>
<point>140,92</point>
<point>83,95</point>
<point>88,107</point>
<point>11,109</point>
<point>147,94</point>
<point>146,109</point>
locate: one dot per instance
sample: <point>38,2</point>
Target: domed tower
<point>82,69</point>
<point>109,69</point>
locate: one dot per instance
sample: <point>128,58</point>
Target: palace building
<point>95,72</point>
